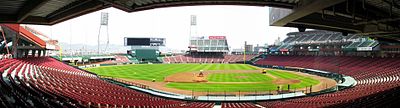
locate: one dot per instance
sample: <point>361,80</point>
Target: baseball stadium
<point>345,53</point>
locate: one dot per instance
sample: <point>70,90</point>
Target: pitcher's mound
<point>241,77</point>
<point>186,77</point>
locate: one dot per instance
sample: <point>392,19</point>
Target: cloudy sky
<point>238,23</point>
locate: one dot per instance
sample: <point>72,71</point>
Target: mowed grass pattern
<point>238,77</point>
<point>305,82</point>
<point>160,71</point>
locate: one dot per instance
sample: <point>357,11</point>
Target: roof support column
<point>34,53</point>
<point>39,53</point>
<point>26,52</point>
<point>14,51</point>
<point>44,53</point>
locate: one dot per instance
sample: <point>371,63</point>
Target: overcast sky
<point>238,23</point>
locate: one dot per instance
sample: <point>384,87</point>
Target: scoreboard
<point>130,41</point>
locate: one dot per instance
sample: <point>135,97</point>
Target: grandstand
<point>351,55</point>
<point>377,80</point>
<point>324,43</point>
<point>82,60</point>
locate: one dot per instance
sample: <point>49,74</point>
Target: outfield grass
<point>238,77</point>
<point>305,81</point>
<point>266,86</point>
<point>160,71</point>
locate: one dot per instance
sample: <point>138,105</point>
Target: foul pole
<point>244,52</point>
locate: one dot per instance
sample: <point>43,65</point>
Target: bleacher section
<point>377,80</point>
<point>131,59</point>
<point>207,59</point>
<point>99,59</point>
<point>118,59</point>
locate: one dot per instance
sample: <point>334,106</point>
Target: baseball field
<point>215,78</point>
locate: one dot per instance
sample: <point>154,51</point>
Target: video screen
<point>138,41</point>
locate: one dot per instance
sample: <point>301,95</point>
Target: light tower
<point>103,22</point>
<point>193,26</point>
<point>193,33</point>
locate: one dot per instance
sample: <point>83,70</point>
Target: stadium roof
<point>374,18</point>
<point>50,12</point>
